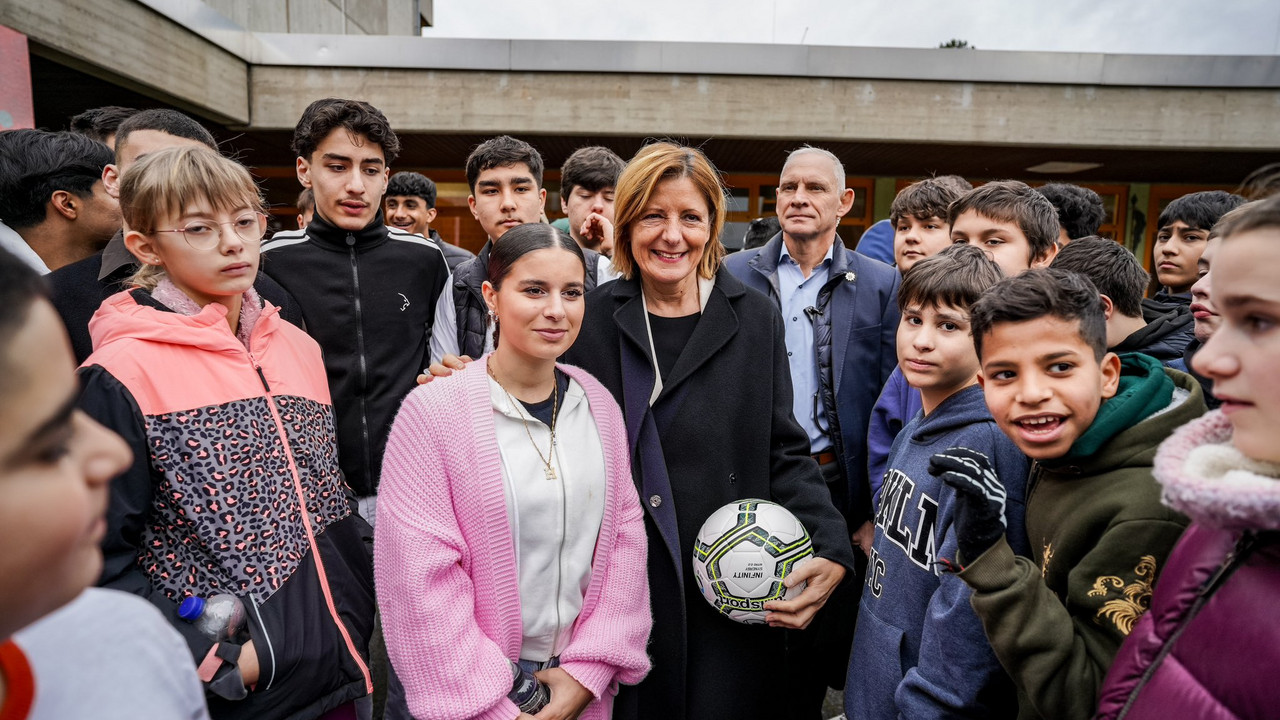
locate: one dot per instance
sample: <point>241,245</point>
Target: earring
<point>493,315</point>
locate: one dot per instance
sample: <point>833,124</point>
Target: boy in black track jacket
<point>368,292</point>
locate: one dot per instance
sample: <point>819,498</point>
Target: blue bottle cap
<point>191,609</point>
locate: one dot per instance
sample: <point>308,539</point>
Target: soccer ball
<point>743,552</point>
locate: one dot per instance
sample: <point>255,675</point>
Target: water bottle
<point>528,692</point>
<point>219,617</point>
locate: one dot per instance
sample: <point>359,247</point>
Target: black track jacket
<point>368,298</point>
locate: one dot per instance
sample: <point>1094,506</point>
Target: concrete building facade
<point>1140,129</point>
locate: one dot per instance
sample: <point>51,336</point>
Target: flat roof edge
<point>381,52</point>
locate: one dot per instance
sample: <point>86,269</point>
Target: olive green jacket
<point>1099,537</point>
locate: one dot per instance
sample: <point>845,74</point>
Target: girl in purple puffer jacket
<point>1210,644</point>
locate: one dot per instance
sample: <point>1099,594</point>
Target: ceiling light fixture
<point>1058,167</point>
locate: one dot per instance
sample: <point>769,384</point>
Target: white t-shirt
<point>110,655</point>
<point>10,240</point>
<point>555,522</point>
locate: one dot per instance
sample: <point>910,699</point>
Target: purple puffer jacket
<point>1210,644</point>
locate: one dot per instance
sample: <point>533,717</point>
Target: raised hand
<point>980,498</point>
<point>598,230</point>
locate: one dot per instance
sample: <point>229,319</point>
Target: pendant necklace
<point>547,470</point>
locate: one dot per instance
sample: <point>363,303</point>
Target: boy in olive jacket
<point>1091,421</point>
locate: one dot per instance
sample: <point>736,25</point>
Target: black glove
<point>979,513</point>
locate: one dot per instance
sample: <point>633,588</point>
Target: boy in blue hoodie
<point>1015,225</point>
<point>919,650</point>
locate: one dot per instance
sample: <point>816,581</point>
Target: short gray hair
<point>836,165</point>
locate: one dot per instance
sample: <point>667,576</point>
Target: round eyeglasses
<point>204,234</point>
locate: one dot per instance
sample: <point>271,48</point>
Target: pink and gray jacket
<point>234,488</point>
<point>1210,643</point>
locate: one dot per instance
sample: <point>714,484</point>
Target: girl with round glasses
<point>234,488</point>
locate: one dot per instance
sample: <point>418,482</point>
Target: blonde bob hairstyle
<point>652,165</point>
<point>169,181</point>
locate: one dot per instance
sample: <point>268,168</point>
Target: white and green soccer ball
<point>743,552</point>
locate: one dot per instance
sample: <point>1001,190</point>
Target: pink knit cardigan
<point>445,563</point>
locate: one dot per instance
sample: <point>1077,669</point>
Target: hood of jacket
<point>1205,477</point>
<point>1133,443</point>
<point>1169,328</point>
<point>963,408</point>
<point>135,314</point>
<point>1164,297</point>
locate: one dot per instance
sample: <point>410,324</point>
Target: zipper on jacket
<point>1243,548</point>
<point>321,573</point>
<point>261,376</point>
<point>271,650</point>
<point>311,537</point>
<point>1033,479</point>
<point>364,364</point>
<point>564,530</point>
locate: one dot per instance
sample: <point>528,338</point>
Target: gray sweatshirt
<point>110,655</point>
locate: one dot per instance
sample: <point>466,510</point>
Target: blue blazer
<point>863,313</point>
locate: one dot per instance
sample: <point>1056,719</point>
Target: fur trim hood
<point>1204,476</point>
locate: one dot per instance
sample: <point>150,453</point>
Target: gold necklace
<point>547,470</point>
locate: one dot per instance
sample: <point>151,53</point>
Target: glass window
<point>768,200</point>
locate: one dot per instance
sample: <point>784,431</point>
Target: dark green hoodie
<point>1099,536</point>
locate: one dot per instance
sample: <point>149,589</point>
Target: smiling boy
<point>919,650</point>
<point>1091,421</point>
<point>410,206</point>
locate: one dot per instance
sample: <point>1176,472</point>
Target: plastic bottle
<point>528,692</point>
<point>219,617</point>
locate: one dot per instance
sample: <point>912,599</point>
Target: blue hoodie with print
<point>919,650</point>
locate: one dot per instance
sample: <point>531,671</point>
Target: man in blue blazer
<point>841,316</point>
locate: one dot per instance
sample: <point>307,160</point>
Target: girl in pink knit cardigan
<point>510,534</point>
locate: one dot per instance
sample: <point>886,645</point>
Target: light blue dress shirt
<point>798,293</point>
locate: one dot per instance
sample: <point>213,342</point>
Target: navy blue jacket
<point>863,317</point>
<point>898,403</point>
<point>877,242</point>
<point>919,650</point>
<point>1170,328</point>
<point>708,439</point>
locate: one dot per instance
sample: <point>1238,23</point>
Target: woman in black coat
<point>698,362</point>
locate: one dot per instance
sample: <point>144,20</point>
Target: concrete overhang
<point>136,47</point>
<point>796,61</point>
<point>822,94</point>
<point>185,51</point>
<point>711,58</point>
